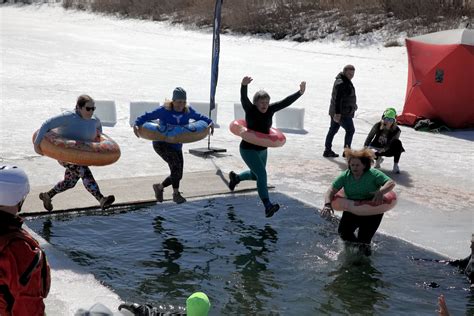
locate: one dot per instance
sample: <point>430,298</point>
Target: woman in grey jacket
<point>77,125</point>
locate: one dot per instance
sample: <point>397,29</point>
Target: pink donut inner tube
<point>366,207</point>
<point>274,139</point>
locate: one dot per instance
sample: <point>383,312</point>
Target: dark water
<point>291,264</point>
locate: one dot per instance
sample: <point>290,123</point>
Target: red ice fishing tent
<point>440,78</point>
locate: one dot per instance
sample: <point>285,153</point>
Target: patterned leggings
<point>174,159</point>
<point>72,175</point>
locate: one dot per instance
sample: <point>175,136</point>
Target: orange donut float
<point>274,139</point>
<point>366,207</point>
<point>103,152</point>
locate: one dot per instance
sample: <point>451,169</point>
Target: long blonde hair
<point>168,104</point>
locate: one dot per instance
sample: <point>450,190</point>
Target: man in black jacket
<point>342,109</point>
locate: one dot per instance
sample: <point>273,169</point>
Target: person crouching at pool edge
<point>384,138</point>
<point>360,182</point>
<point>174,112</point>
<point>81,125</point>
<point>259,118</point>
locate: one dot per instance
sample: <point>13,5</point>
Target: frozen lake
<point>50,56</point>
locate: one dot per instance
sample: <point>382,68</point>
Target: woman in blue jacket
<point>174,112</point>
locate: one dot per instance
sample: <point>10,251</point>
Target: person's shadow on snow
<point>403,178</point>
<point>342,164</point>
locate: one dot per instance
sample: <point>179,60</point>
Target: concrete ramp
<point>133,191</point>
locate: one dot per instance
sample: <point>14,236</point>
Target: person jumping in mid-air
<point>258,116</point>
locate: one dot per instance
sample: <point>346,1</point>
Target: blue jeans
<point>347,124</point>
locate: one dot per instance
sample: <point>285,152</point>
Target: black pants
<point>347,123</point>
<point>367,225</point>
<point>394,150</point>
<point>174,159</point>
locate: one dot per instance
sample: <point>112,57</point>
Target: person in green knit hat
<point>384,139</point>
<point>197,304</point>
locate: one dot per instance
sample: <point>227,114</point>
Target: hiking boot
<point>378,161</point>
<point>158,188</point>
<point>46,201</point>
<point>106,201</point>
<point>233,180</point>
<point>271,209</point>
<point>178,198</point>
<point>330,154</point>
<point>396,169</point>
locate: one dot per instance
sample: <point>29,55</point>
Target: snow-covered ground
<point>50,56</point>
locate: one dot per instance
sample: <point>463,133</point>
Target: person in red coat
<point>24,272</point>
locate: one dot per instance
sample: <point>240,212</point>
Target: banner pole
<point>214,77</point>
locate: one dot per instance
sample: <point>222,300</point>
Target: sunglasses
<point>388,119</point>
<point>91,108</point>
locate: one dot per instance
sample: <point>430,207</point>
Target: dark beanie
<point>179,94</point>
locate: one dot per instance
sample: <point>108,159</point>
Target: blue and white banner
<point>215,53</point>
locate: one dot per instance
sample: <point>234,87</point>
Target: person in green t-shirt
<point>360,182</point>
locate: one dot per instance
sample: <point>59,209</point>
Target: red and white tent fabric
<point>440,78</point>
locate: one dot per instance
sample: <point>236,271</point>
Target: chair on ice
<point>203,108</point>
<point>239,113</point>
<point>290,120</point>
<point>106,111</point>
<point>139,108</point>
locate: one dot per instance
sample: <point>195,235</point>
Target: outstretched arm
<point>200,117</point>
<point>149,116</point>
<point>277,106</point>
<point>244,99</point>
<point>327,210</point>
<point>387,187</point>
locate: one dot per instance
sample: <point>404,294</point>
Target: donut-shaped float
<point>366,207</point>
<point>174,134</point>
<point>274,139</point>
<point>104,151</point>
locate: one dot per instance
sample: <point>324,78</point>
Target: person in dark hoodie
<point>384,138</point>
<point>341,110</point>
